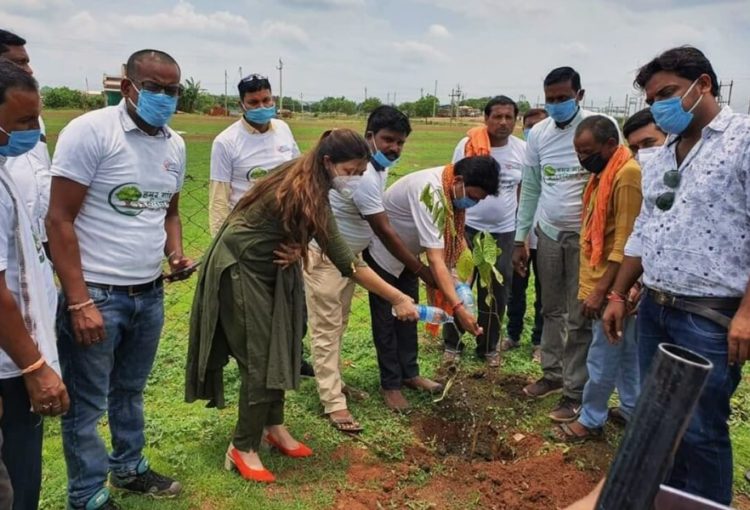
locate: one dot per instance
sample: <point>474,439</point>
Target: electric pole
<point>435,102</point>
<point>388,98</point>
<point>226,98</point>
<point>365,93</point>
<point>455,98</point>
<point>281,90</point>
<point>301,104</point>
<point>241,75</point>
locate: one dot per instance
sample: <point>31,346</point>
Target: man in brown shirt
<point>611,203</point>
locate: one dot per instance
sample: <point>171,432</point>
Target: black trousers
<point>517,305</point>
<point>22,432</point>
<point>490,317</point>
<point>396,341</point>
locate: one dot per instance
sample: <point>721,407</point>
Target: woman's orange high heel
<point>234,461</point>
<point>299,452</point>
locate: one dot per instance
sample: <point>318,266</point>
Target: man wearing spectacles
<point>113,215</point>
<point>691,241</point>
<point>248,149</point>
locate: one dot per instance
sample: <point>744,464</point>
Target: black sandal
<point>346,425</point>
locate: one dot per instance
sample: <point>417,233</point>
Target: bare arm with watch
<point>386,233</point>
<point>444,282</point>
<point>47,392</point>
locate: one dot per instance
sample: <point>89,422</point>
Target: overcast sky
<point>339,47</point>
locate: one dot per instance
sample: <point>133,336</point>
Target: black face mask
<point>594,163</point>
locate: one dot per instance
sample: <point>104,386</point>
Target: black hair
<point>534,112</point>
<point>9,39</point>
<point>253,83</point>
<point>388,117</point>
<point>638,120</point>
<point>500,100</point>
<point>131,68</point>
<point>14,77</point>
<point>600,126</point>
<point>684,61</point>
<point>563,74</point>
<point>480,171</point>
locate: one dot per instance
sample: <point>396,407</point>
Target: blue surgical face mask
<point>671,116</point>
<point>261,115</point>
<point>526,134</point>
<point>383,160</point>
<point>562,112</point>
<point>465,202</point>
<point>155,109</point>
<point>19,142</point>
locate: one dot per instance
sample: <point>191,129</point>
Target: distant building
<point>111,87</point>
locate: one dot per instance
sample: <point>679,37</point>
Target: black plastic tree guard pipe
<point>668,398</point>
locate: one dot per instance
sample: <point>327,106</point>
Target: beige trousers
<point>329,299</point>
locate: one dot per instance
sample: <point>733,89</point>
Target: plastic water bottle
<point>466,295</point>
<point>431,314</point>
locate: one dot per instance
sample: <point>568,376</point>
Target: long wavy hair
<point>301,187</point>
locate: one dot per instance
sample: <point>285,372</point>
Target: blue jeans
<point>610,366</point>
<point>703,461</point>
<point>108,376</point>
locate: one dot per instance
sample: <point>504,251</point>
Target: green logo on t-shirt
<point>256,173</point>
<point>130,200</point>
<point>549,170</point>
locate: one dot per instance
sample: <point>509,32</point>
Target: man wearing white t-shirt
<point>30,384</point>
<point>358,208</point>
<point>116,178</point>
<point>553,181</point>
<point>30,171</point>
<point>248,149</point>
<point>462,185</point>
<point>496,215</point>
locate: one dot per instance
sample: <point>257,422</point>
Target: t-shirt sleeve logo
<point>130,200</point>
<point>256,173</point>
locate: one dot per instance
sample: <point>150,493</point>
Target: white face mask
<point>346,185</point>
<point>644,155</point>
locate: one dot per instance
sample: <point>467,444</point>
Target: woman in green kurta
<point>250,306</point>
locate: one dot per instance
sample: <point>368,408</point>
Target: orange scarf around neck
<point>454,242</point>
<point>478,143</point>
<point>593,229</point>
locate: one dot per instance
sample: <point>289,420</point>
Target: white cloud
<point>184,18</point>
<point>418,52</point>
<point>575,49</point>
<point>284,32</point>
<point>439,32</point>
<point>35,5</point>
<point>325,4</point>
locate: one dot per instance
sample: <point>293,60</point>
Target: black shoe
<point>306,370</point>
<point>567,410</point>
<point>147,482</point>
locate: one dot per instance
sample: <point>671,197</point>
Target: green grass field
<point>188,441</point>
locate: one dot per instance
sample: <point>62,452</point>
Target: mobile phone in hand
<point>185,271</point>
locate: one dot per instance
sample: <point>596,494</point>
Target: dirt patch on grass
<point>477,448</point>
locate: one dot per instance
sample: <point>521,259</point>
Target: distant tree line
<point>195,99</point>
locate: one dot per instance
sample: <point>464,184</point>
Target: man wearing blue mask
<point>113,217</point>
<point>247,149</point>
<point>30,384</point>
<point>462,186</point>
<point>691,242</point>
<point>554,181</point>
<point>30,171</point>
<point>357,204</point>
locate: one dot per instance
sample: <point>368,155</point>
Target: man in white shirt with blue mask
<point>554,181</point>
<point>247,149</point>
<point>30,171</point>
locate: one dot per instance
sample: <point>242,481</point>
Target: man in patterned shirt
<point>691,241</point>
